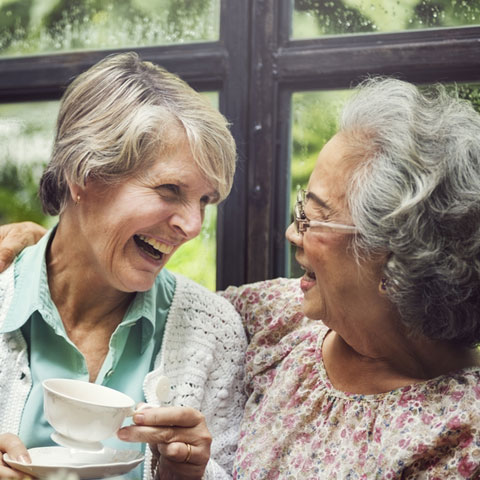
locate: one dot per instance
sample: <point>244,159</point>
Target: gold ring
<point>189,453</point>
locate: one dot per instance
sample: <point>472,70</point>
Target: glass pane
<point>315,18</point>
<point>26,137</point>
<point>41,26</point>
<point>314,121</point>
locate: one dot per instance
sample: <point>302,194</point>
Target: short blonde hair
<point>116,117</point>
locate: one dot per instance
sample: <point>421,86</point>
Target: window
<point>261,57</point>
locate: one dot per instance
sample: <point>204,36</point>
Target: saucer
<point>75,444</point>
<point>86,465</point>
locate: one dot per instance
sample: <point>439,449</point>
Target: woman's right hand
<point>14,237</point>
<point>11,444</point>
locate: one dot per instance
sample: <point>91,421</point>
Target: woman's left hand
<point>178,437</point>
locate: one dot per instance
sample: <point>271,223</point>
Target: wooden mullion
<point>45,76</point>
<point>425,57</point>
<point>234,104</point>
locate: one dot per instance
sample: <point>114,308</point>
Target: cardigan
<point>202,354</point>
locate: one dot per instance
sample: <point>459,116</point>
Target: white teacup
<point>84,414</point>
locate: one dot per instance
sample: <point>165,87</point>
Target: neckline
<point>419,386</point>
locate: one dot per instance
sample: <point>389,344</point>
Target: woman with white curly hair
<point>378,376</point>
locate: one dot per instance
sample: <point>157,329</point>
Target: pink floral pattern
<point>298,426</point>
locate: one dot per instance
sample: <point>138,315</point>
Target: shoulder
<point>7,288</point>
<point>196,307</point>
<point>267,303</point>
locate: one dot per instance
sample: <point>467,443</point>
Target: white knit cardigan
<point>202,354</point>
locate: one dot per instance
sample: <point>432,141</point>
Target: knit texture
<point>202,354</point>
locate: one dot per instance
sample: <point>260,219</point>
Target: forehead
<point>330,176</point>
<point>175,164</point>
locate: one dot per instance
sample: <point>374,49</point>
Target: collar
<point>32,294</point>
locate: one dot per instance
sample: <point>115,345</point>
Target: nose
<point>188,221</point>
<point>295,238</point>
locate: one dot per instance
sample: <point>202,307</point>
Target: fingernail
<point>122,434</point>
<point>139,418</point>
<point>24,459</point>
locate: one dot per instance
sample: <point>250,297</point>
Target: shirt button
<point>109,373</point>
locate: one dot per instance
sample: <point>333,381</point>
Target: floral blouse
<point>298,426</point>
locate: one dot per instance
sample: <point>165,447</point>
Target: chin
<point>314,312</point>
<point>139,283</point>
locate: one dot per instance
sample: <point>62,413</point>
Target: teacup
<point>84,414</point>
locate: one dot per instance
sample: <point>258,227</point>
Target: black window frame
<point>255,66</point>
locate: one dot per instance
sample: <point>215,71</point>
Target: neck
<point>77,286</point>
<point>395,363</point>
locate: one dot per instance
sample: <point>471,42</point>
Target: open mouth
<point>153,248</point>
<point>308,273</point>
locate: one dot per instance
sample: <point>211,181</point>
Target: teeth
<point>162,247</point>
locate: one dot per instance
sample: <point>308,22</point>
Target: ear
<point>76,191</point>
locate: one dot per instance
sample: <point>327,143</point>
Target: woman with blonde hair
<point>137,157</point>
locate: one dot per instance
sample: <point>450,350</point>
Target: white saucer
<point>86,465</point>
<point>76,444</point>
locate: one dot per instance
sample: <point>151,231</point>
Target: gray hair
<point>414,194</point>
<point>117,116</point>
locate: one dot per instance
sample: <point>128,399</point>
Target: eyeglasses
<point>302,223</point>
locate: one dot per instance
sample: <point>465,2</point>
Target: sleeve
<point>203,353</point>
<point>266,305</point>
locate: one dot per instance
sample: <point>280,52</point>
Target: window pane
<point>315,18</point>
<point>315,121</point>
<point>41,26</point>
<point>26,137</point>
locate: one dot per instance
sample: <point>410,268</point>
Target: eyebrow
<point>311,196</point>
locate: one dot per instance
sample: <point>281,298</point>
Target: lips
<point>152,247</point>
<point>308,280</point>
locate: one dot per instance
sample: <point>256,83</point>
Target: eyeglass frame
<point>303,223</point>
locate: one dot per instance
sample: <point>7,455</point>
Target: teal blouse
<point>132,350</point>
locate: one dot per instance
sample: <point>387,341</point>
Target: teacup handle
<point>162,392</point>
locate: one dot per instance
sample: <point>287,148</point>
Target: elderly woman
<point>367,367</point>
<point>382,380</point>
<point>137,157</point>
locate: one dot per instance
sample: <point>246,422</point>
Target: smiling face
<point>129,230</point>
<point>335,285</point>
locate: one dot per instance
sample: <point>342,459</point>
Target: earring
<point>382,286</point>
<point>77,201</point>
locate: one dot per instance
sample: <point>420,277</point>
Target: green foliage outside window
<point>40,26</point>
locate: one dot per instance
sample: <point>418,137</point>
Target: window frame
<point>256,67</point>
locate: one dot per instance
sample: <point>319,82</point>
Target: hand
<point>170,431</point>
<point>11,444</point>
<point>14,237</point>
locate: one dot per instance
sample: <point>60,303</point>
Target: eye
<point>317,212</point>
<point>168,191</point>
<point>205,200</point>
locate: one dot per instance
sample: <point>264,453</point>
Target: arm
<point>14,237</point>
<point>203,356</point>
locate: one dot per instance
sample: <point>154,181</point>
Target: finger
<point>169,416</point>
<point>11,444</point>
<point>7,472</point>
<point>156,435</point>
<point>180,452</point>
